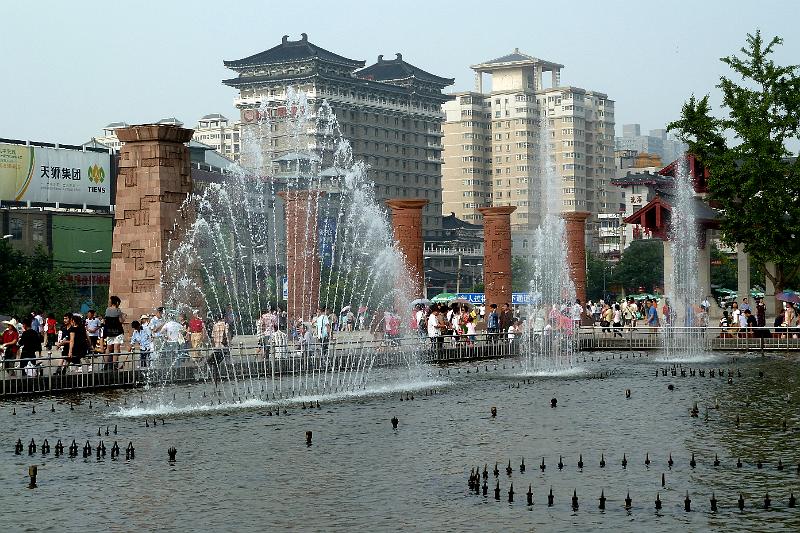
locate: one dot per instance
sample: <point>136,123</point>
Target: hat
<point>144,317</point>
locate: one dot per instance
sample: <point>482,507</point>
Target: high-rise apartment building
<point>217,132</point>
<point>390,111</point>
<point>493,145</point>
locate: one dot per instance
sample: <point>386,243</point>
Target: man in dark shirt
<point>506,318</point>
<point>30,343</point>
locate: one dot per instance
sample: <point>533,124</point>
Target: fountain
<point>549,340</point>
<point>683,292</point>
<point>303,227</point>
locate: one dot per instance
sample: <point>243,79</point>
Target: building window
<point>15,228</point>
<point>38,231</point>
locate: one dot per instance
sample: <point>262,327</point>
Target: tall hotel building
<point>492,143</point>
<point>390,111</point>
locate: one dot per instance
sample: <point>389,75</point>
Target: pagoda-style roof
<point>643,178</point>
<point>514,59</point>
<point>452,222</point>
<point>291,52</point>
<point>392,70</point>
<point>696,170</point>
<point>657,214</point>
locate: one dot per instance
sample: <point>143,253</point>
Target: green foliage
<point>752,177</point>
<point>641,265</point>
<point>598,277</point>
<point>521,274</point>
<point>30,282</point>
<point>725,274</point>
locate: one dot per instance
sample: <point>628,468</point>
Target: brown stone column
<point>154,180</point>
<point>302,253</point>
<point>497,254</point>
<point>407,230</point>
<point>576,250</point>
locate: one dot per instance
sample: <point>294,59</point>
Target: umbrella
<point>461,301</point>
<point>788,296</point>
<point>420,301</point>
<point>443,298</point>
<point>345,309</point>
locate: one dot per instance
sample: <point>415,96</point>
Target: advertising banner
<point>50,175</point>
<point>517,298</point>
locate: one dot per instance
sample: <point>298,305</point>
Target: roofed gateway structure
<point>654,218</point>
<point>390,111</point>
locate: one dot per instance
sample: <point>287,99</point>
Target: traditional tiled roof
<point>516,57</point>
<point>642,178</point>
<point>171,121</point>
<point>452,222</point>
<point>291,51</point>
<point>214,116</point>
<point>397,69</point>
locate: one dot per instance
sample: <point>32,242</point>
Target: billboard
<point>517,298</point>
<point>51,175</point>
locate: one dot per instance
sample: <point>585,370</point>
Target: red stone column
<point>302,253</point>
<point>497,254</point>
<point>154,180</point>
<point>407,230</point>
<point>576,250</point>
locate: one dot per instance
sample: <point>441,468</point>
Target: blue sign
<point>325,237</point>
<point>476,298</point>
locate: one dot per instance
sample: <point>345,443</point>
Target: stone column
<point>576,250</point>
<point>407,230</point>
<point>704,269</point>
<point>743,275</point>
<point>302,253</point>
<point>497,254</point>
<point>154,180</point>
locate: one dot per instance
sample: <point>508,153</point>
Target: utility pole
<point>458,275</point>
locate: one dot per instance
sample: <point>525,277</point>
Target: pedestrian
<point>173,334</point>
<point>143,337</point>
<point>652,313</point>
<point>93,328</point>
<point>279,341</point>
<point>493,322</point>
<point>30,343</point>
<point>576,312</point>
<point>78,341</point>
<point>113,332</point>
<point>322,329</point>
<point>62,342</point>
<point>616,323</point>
<point>196,335</point>
<point>10,338</point>
<point>51,331</point>
<point>506,317</point>
<point>435,330</point>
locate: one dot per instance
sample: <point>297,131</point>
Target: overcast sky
<point>70,68</point>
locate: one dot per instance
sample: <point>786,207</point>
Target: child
<point>470,330</point>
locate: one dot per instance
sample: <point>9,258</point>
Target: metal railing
<point>178,363</point>
<point>703,338</point>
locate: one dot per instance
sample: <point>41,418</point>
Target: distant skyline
<point>71,68</point>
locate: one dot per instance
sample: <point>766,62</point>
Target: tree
<point>641,265</point>
<point>752,177</point>
<point>598,277</point>
<point>521,274</point>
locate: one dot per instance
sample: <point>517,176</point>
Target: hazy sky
<point>71,67</point>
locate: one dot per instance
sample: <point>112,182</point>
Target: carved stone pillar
<point>154,180</point>
<point>497,254</point>
<point>407,230</point>
<point>576,250</point>
<point>302,253</point>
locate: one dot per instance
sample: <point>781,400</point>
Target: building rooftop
<point>172,121</point>
<point>115,125</point>
<point>514,59</point>
<point>396,69</point>
<point>452,222</point>
<point>214,116</point>
<point>642,178</point>
<point>292,51</point>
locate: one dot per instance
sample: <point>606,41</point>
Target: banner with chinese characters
<point>54,175</point>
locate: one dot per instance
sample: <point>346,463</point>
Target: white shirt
<point>576,311</point>
<point>156,323</point>
<point>433,323</point>
<point>93,326</point>
<point>173,331</point>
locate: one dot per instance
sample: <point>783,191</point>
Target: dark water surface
<point>239,469</point>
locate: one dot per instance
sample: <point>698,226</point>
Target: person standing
<point>51,331</point>
<point>575,314</point>
<point>279,341</point>
<point>30,343</point>
<point>493,322</point>
<point>435,330</point>
<point>196,334</point>
<point>143,337</point>
<point>652,313</point>
<point>10,338</point>
<point>113,332</point>
<point>322,329</point>
<point>174,346</point>
<point>93,328</point>
<point>78,341</point>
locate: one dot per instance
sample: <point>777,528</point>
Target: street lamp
<point>9,236</point>
<point>91,273</point>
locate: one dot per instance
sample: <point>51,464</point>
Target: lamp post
<point>425,277</point>
<point>91,273</point>
<point>9,236</point>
